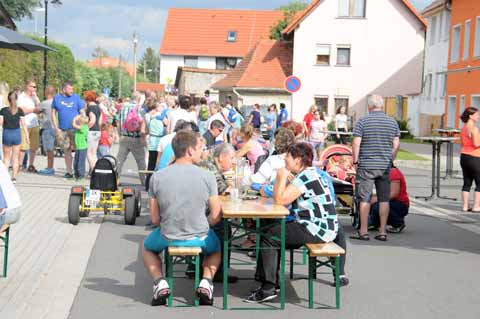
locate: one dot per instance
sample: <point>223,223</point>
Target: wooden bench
<point>328,250</point>
<point>5,238</point>
<point>182,255</point>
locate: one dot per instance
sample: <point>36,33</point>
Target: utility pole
<point>135,43</point>
<point>120,77</point>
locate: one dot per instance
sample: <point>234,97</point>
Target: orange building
<point>463,78</point>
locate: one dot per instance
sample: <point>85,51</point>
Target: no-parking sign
<point>292,84</point>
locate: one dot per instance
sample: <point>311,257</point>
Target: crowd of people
<point>188,148</point>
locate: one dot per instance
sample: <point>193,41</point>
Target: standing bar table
<point>437,142</point>
<point>257,209</point>
<point>449,132</point>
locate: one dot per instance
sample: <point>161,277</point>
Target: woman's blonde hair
<point>247,131</point>
<point>313,108</point>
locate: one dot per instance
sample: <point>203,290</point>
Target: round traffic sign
<point>292,84</point>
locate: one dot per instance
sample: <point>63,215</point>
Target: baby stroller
<point>340,166</point>
<point>104,194</point>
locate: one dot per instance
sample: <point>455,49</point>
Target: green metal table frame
<point>5,240</point>
<point>259,231</point>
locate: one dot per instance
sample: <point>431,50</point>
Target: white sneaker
<point>161,292</point>
<point>205,293</point>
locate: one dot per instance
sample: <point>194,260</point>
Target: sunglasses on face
<point>33,86</point>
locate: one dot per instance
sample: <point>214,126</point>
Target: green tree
<point>19,9</point>
<point>149,65</point>
<point>16,66</point>
<point>86,78</point>
<point>120,76</point>
<point>100,52</point>
<point>104,78</point>
<point>289,12</point>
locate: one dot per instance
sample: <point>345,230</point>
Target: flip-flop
<point>381,237</point>
<point>359,236</point>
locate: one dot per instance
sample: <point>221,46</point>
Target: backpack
<point>203,114</point>
<point>133,120</point>
<point>232,115</point>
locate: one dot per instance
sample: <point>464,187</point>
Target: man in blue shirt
<point>283,116</point>
<point>66,105</point>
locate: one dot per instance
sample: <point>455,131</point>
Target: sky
<point>85,24</point>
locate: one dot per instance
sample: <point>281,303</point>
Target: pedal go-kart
<point>104,195</point>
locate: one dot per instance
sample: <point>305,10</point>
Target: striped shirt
<point>377,131</point>
<point>123,116</point>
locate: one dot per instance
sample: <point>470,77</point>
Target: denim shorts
<point>48,139</point>
<point>12,137</point>
<point>156,242</point>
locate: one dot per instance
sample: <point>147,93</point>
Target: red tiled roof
<point>109,62</point>
<point>203,32</point>
<point>145,86</point>
<point>266,66</point>
<point>299,17</point>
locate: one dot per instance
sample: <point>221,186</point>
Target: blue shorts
<point>11,137</point>
<point>156,242</point>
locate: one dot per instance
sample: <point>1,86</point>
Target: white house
<point>424,107</point>
<point>345,50</point>
<point>211,38</point>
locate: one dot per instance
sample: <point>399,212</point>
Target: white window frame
<point>443,87</point>
<point>446,28</point>
<point>323,96</point>
<point>323,45</point>
<point>428,86</point>
<point>344,46</point>
<point>351,9</point>
<point>476,41</point>
<point>433,30</point>
<point>463,100</point>
<point>449,120</point>
<point>466,39</point>
<point>471,99</point>
<point>453,48</point>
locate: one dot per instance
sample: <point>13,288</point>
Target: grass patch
<point>413,141</point>
<point>409,156</point>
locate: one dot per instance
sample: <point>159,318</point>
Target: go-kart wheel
<point>130,212</point>
<point>74,204</point>
<point>138,202</point>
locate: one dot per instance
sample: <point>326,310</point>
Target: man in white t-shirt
<point>182,113</point>
<point>30,104</point>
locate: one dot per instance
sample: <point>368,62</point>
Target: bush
<point>403,125</point>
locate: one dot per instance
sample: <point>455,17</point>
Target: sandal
<point>359,236</point>
<point>381,237</point>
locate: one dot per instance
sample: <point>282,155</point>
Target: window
<point>351,8</point>
<point>455,50</point>
<point>442,87</point>
<point>446,26</point>
<point>322,103</point>
<point>226,63</point>
<point>323,54</point>
<point>428,85</point>
<point>433,30</point>
<point>452,111</point>
<point>191,61</point>
<point>475,101</point>
<point>466,40</point>
<point>476,52</point>
<point>343,56</point>
<point>462,104</point>
<point>232,36</point>
<point>341,101</point>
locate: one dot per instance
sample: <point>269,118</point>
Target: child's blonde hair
<point>82,119</point>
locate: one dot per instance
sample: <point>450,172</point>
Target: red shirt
<point>396,175</point>
<point>308,119</point>
<point>104,138</point>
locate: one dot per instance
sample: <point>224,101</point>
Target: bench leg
<point>170,278</point>
<point>5,253</point>
<point>312,269</point>
<point>292,261</point>
<point>257,240</point>
<point>197,278</point>
<point>305,256</point>
<point>225,262</point>
<point>337,281</point>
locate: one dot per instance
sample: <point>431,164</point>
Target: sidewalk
<point>425,150</point>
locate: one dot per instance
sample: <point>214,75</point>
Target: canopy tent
<point>15,41</point>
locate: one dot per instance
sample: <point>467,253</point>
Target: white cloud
<point>108,43</point>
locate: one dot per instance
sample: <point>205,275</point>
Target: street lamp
<point>45,40</point>
<point>35,17</point>
<point>135,43</point>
